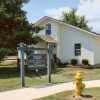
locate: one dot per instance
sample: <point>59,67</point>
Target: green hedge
<point>4,52</point>
<point>74,62</point>
<point>85,62</point>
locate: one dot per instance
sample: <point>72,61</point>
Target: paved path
<point>32,93</point>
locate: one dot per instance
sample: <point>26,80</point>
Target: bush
<point>74,62</point>
<point>85,62</point>
<point>3,53</point>
<point>59,63</point>
<point>13,52</point>
<point>66,63</point>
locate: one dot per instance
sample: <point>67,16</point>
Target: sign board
<point>37,60</point>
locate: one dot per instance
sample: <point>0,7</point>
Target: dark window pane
<point>48,32</point>
<point>48,29</point>
<point>77,48</point>
<point>77,52</point>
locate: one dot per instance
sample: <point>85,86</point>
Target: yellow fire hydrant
<point>79,85</point>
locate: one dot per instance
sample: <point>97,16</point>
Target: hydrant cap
<point>79,75</point>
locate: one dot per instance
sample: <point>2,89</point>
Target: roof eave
<point>46,17</point>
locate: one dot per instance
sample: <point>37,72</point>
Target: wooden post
<point>49,63</point>
<point>22,70</point>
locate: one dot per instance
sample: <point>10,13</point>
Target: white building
<point>69,41</point>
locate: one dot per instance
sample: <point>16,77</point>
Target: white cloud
<point>96,26</point>
<point>56,13</point>
<point>89,8</point>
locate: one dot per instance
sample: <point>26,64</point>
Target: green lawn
<point>89,94</point>
<point>10,76</point>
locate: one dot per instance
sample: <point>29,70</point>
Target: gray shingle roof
<point>46,38</point>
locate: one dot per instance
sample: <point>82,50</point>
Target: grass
<point>89,94</point>
<point>10,76</point>
<point>67,74</point>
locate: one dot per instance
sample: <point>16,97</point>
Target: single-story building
<point>69,42</point>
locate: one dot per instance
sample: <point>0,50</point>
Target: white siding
<point>97,50</point>
<point>69,37</point>
<point>53,28</point>
<point>58,40</point>
<point>54,34</point>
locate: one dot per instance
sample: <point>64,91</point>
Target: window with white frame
<point>48,29</point>
<point>77,49</point>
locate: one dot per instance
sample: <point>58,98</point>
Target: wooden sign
<point>37,61</point>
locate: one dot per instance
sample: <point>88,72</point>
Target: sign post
<point>22,69</point>
<point>36,60</point>
<point>49,63</point>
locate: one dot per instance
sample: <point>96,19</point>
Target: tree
<point>14,27</point>
<point>3,53</point>
<point>37,29</point>
<point>72,18</point>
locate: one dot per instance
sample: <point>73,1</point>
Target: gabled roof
<point>46,38</point>
<point>46,17</point>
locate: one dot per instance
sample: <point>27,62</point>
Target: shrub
<point>56,61</point>
<point>59,63</point>
<point>74,61</point>
<point>3,53</point>
<point>85,62</point>
<point>13,51</point>
<point>65,63</point>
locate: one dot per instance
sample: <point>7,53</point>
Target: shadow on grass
<point>34,73</point>
<point>41,72</point>
<point>14,72</point>
<point>9,72</point>
<point>87,96</point>
<point>56,70</point>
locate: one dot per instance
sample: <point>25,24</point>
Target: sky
<point>36,9</point>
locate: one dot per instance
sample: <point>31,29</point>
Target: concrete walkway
<point>33,93</point>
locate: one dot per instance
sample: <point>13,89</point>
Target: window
<point>77,48</point>
<point>48,29</point>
